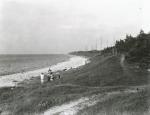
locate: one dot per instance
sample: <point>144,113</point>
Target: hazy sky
<point>61,26</point>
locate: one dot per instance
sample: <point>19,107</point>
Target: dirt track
<point>73,107</point>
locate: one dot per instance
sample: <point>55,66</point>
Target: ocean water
<point>10,64</point>
<point>14,79</point>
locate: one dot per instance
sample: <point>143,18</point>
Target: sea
<point>11,64</point>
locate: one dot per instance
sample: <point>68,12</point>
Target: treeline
<point>136,49</point>
<point>85,53</point>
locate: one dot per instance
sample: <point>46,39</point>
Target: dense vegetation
<point>86,53</point>
<point>136,49</point>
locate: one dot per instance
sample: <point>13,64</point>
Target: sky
<point>62,26</point>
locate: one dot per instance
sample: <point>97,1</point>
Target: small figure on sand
<point>50,71</point>
<point>50,75</point>
<point>42,78</point>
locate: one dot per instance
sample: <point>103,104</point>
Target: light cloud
<point>60,26</point>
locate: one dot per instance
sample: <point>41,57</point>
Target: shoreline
<point>13,79</point>
<point>11,66</point>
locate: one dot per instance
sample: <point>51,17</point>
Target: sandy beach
<point>14,79</point>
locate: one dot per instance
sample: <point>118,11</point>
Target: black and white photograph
<point>74,57</point>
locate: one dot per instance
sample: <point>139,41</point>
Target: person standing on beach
<point>51,77</point>
<point>49,74</point>
<point>42,78</point>
<point>50,71</point>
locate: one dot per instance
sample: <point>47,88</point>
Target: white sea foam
<point>14,79</point>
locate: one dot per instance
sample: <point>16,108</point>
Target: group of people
<point>50,76</point>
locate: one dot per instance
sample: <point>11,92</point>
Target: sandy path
<point>74,107</point>
<point>14,79</point>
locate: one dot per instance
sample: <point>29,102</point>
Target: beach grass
<point>121,104</point>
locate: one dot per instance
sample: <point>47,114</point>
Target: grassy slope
<point>121,104</point>
<point>96,77</point>
<point>106,71</point>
